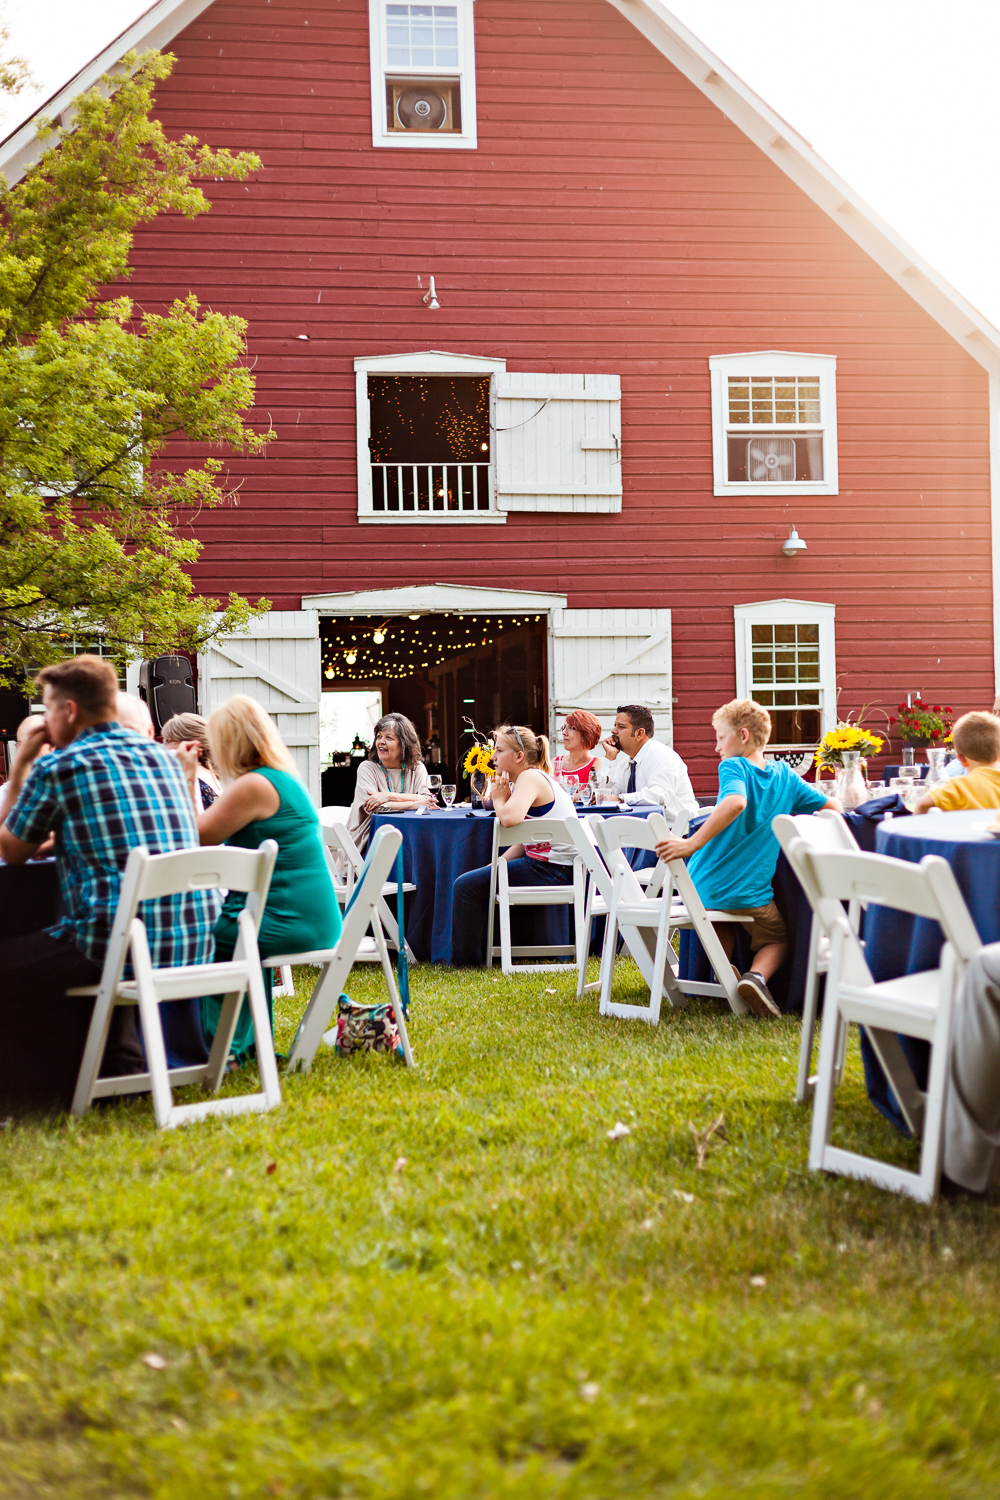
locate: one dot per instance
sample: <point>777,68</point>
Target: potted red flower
<point>923,725</point>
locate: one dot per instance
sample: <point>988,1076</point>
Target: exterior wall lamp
<point>429,298</point>
<point>793,545</point>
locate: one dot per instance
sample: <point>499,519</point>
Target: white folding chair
<point>917,1005</point>
<point>347,868</point>
<point>150,877</point>
<point>503,896</point>
<point>336,963</point>
<point>828,832</point>
<point>599,882</point>
<point>328,816</point>
<point>672,908</point>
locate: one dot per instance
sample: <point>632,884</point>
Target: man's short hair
<point>977,737</point>
<point>745,713</point>
<point>91,682</point>
<point>639,717</point>
<point>132,713</point>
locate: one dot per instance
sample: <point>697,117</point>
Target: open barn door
<point>602,657</point>
<point>278,664</point>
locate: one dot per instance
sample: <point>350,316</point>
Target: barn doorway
<point>441,668</point>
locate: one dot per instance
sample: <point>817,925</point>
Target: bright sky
<point>899,96</point>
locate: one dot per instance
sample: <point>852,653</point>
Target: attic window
<point>774,424</point>
<point>422,74</point>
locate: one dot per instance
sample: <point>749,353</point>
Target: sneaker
<point>755,992</point>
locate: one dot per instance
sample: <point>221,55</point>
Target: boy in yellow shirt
<point>976,738</point>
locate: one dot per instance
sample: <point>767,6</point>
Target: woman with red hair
<point>581,733</point>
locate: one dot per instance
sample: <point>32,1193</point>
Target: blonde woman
<point>185,729</point>
<point>263,799</point>
<point>524,789</point>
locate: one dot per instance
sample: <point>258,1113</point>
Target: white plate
<point>990,828</point>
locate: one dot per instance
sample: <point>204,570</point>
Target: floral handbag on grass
<point>372,1028</point>
<point>365,1028</point>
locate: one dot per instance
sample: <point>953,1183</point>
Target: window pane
<point>422,36</point>
<point>791,400</point>
<point>762,634</point>
<point>774,460</point>
<point>785,634</point>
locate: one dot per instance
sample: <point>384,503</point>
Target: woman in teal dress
<point>264,799</point>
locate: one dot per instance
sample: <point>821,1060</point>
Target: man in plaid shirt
<point>103,791</point>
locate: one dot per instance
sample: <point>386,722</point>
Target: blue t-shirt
<point>735,869</point>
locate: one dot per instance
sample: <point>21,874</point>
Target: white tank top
<point>562,807</point>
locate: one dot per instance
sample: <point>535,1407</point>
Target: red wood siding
<point>612,219</point>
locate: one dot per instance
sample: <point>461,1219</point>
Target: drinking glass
<point>587,794</point>
<point>434,786</point>
<point>907,755</point>
<point>448,794</point>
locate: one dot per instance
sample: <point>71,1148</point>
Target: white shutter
<point>278,664</point>
<point>558,442</point>
<point>603,657</point>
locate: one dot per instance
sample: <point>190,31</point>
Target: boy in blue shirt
<point>734,853</point>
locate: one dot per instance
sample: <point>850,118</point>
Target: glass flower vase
<point>851,789</point>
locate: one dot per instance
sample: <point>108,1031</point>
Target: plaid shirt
<point>108,792</point>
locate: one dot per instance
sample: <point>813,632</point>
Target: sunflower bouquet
<point>479,758</point>
<point>845,736</point>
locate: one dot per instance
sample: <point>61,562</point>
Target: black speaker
<point>166,684</point>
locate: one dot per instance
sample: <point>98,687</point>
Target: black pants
<point>43,1030</point>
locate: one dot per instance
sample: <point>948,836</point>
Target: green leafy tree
<point>95,538</point>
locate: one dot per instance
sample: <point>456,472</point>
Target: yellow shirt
<point>978,788</point>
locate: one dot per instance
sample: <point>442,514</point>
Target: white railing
<point>432,489</point>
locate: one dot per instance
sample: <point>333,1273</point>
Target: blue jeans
<point>471,898</point>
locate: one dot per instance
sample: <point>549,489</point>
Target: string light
<point>392,649</point>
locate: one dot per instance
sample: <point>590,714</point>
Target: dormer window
<point>423,74</point>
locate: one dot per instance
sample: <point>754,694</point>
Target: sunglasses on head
<point>520,742</point>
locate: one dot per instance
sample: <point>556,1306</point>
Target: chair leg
<point>823,1102</point>
<point>803,1088</point>
<point>608,961</point>
<point>152,1029</point>
<point>93,1053</point>
<point>267,1064</point>
<point>659,967</point>
<point>503,901</point>
<point>583,948</point>
<point>394,1000</point>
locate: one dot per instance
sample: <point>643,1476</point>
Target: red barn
<point>562,332</point>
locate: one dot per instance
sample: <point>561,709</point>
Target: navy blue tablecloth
<point>30,900</point>
<point>437,848</point>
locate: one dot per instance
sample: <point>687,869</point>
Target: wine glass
<point>434,785</point>
<point>587,792</point>
<point>448,794</point>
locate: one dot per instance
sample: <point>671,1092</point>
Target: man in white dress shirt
<point>642,770</point>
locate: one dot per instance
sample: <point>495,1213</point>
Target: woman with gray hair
<point>392,779</point>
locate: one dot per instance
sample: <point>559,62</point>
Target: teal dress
<point>301,911</point>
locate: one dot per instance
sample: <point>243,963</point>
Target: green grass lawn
<point>523,1308</point>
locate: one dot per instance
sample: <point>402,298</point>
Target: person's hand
<point>669,849</point>
<point>375,799</point>
<point>427,799</point>
<point>187,754</point>
<point>501,789</point>
<point>611,749</point>
<point>34,742</point>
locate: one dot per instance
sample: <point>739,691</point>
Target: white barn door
<point>277,663</point>
<point>599,658</point>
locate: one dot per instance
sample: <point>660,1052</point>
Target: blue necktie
<point>631,778</point>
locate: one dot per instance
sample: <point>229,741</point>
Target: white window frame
<point>465,74</point>
<point>774,362</point>
<point>429,362</point>
<point>790,612</point>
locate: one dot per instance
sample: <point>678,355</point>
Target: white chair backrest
<point>382,852</point>
<point>336,837</point>
<point>328,816</point>
<point>152,877</point>
<point>630,833</point>
<point>825,831</point>
<point>532,831</point>
<point>925,890</point>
